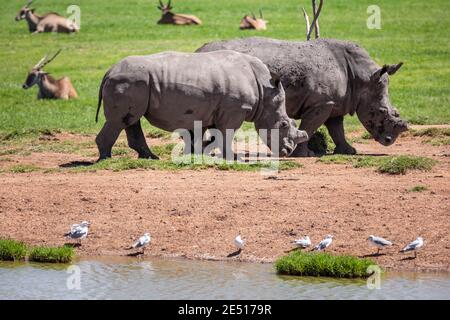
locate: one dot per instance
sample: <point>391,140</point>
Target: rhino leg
<point>106,138</point>
<point>335,127</point>
<point>136,141</point>
<point>194,140</point>
<point>312,119</point>
<point>226,148</point>
<point>205,143</point>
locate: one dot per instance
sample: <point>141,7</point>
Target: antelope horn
<point>161,4</point>
<point>50,60</point>
<point>39,64</point>
<point>29,2</point>
<point>169,4</point>
<point>261,13</point>
<point>253,15</point>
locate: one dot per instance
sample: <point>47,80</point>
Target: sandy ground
<point>197,214</point>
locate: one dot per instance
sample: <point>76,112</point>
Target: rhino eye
<point>383,110</point>
<point>284,124</point>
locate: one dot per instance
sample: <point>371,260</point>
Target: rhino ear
<point>389,69</point>
<point>393,68</point>
<point>275,81</point>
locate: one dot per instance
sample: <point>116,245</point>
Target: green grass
<point>11,250</point>
<point>63,254</point>
<point>384,164</point>
<point>415,32</point>
<point>418,188</point>
<point>323,264</point>
<point>431,132</point>
<point>22,168</point>
<point>185,163</point>
<point>321,142</point>
<point>401,164</point>
<point>434,136</point>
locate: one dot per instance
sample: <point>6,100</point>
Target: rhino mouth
<point>288,148</point>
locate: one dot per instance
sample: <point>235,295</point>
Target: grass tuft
<point>418,188</point>
<point>434,136</point>
<point>11,250</point>
<point>188,162</point>
<point>323,264</point>
<point>384,164</point>
<point>432,132</point>
<point>22,168</point>
<point>320,142</point>
<point>26,133</point>
<point>366,135</point>
<point>401,164</point>
<point>63,254</point>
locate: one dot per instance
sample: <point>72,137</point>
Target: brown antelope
<point>49,88</point>
<point>50,22</point>
<point>251,22</point>
<point>169,17</point>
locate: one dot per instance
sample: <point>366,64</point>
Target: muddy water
<point>123,278</point>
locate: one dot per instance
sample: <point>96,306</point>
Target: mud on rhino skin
<point>325,80</point>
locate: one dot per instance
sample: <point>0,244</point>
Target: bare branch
<point>316,16</point>
<point>316,24</point>
<point>305,15</point>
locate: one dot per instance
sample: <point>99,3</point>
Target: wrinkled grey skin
<point>172,90</point>
<point>324,80</point>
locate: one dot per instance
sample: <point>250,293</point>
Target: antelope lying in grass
<point>49,88</point>
<point>251,22</point>
<point>50,22</point>
<point>169,17</point>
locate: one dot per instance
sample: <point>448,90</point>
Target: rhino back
<point>312,72</point>
<point>184,87</point>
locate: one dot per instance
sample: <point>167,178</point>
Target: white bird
<point>325,243</point>
<point>78,231</point>
<point>142,242</point>
<point>414,246</point>
<point>379,242</point>
<point>303,242</point>
<point>239,242</point>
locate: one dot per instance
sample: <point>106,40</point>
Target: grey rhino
<point>326,79</point>
<point>172,90</point>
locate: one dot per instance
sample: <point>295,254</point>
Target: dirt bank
<point>197,213</point>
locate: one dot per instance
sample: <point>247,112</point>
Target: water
<point>124,278</point>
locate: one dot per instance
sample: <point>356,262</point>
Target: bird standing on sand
<point>142,242</point>
<point>413,246</point>
<point>303,242</point>
<point>325,243</point>
<point>78,231</point>
<point>379,242</point>
<point>239,242</point>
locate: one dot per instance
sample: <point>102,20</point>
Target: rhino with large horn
<point>326,79</point>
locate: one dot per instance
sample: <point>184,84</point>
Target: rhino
<point>172,90</point>
<point>326,79</point>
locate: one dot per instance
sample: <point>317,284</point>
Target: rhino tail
<point>100,96</point>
